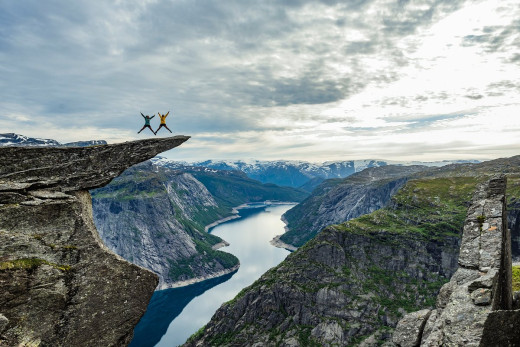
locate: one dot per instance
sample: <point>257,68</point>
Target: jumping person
<point>163,122</point>
<point>146,123</point>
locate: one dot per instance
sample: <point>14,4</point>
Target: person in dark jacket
<point>146,123</point>
<point>163,122</point>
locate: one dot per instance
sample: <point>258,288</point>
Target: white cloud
<point>304,80</point>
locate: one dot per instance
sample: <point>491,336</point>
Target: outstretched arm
<point>152,116</point>
<point>142,115</point>
<point>167,113</point>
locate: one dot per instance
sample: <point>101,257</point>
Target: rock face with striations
<point>481,284</point>
<point>60,285</point>
<point>155,218</point>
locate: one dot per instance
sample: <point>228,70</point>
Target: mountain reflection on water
<point>165,306</point>
<point>175,314</point>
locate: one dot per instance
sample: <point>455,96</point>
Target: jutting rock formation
<point>59,285</point>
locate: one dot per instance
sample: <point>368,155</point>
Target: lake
<point>173,315</point>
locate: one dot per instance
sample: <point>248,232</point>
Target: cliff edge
<point>60,285</point>
<point>476,303</point>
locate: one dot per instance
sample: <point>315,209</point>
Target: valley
<point>369,248</point>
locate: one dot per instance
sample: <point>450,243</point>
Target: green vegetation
<point>428,208</point>
<point>134,183</point>
<point>513,189</point>
<point>182,269</point>
<point>305,338</point>
<point>195,336</point>
<point>30,264</point>
<point>232,189</point>
<point>516,278</point>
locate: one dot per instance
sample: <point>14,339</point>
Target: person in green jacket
<point>146,123</point>
<point>163,122</point>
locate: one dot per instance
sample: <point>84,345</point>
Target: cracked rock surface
<point>60,285</point>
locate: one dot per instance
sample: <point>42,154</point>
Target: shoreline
<point>220,245</point>
<point>220,221</point>
<point>279,243</point>
<point>197,279</point>
<point>235,210</point>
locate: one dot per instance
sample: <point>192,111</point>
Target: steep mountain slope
<point>354,279</point>
<point>232,188</point>
<point>156,217</point>
<point>156,220</point>
<point>339,200</point>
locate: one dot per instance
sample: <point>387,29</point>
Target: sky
<point>295,79</point>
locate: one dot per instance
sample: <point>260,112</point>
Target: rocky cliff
<point>353,281</point>
<point>155,218</point>
<point>480,286</point>
<point>60,285</point>
<point>339,200</point>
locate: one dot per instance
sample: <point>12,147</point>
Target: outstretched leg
<point>159,128</point>
<point>151,129</point>
<point>167,128</point>
<point>141,129</point>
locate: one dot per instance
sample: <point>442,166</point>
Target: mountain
<point>339,200</point>
<point>354,279</point>
<point>60,285</point>
<point>11,139</point>
<point>291,173</point>
<point>351,283</point>
<point>155,214</point>
<point>155,217</point>
<point>299,174</point>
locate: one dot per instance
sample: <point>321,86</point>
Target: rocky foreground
<point>60,285</point>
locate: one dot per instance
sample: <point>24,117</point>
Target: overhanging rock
<point>59,285</point>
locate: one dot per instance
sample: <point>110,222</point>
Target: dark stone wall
<point>501,329</point>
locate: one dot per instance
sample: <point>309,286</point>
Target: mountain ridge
<point>353,281</point>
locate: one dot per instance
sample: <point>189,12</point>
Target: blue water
<point>173,315</point>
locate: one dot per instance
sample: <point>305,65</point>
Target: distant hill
<point>298,174</point>
<point>292,173</point>
<point>341,199</point>
<point>12,139</point>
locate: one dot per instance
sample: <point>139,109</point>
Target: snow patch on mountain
<point>12,139</point>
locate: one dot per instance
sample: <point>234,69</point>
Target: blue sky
<point>312,80</point>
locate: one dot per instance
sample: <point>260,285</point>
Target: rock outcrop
<point>481,284</point>
<point>60,285</point>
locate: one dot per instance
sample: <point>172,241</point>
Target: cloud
<point>238,74</point>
